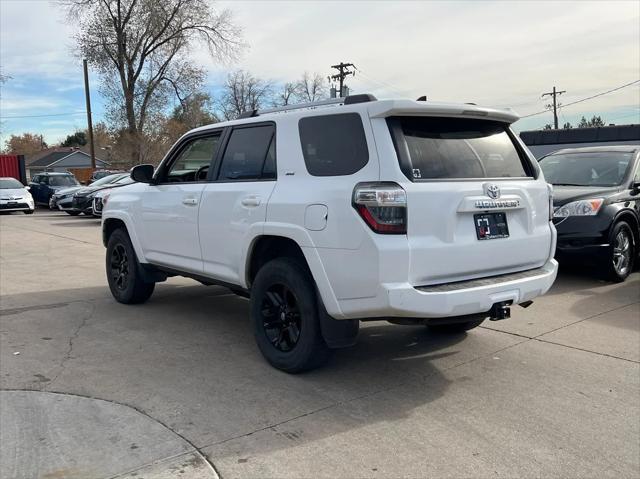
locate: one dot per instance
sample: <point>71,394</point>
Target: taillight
<point>383,206</point>
<point>550,191</point>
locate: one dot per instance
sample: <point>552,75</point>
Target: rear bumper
<point>464,297</point>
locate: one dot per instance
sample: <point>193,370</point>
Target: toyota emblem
<point>492,191</point>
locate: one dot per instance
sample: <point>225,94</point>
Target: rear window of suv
<point>333,145</point>
<point>431,148</point>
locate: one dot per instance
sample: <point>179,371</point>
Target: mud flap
<point>337,333</point>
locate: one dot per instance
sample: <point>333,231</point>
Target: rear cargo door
<point>474,207</point>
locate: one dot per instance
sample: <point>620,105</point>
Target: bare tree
<point>243,92</point>
<point>141,49</point>
<point>287,93</point>
<point>310,88</point>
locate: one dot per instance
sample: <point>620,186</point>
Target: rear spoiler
<point>385,108</point>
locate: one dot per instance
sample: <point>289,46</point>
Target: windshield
<point>443,148</point>
<point>107,179</point>
<point>62,180</point>
<point>125,180</point>
<point>10,184</point>
<point>586,169</point>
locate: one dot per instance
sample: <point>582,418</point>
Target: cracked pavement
<point>553,392</point>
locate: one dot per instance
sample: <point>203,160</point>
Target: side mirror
<point>27,187</point>
<point>142,173</point>
<point>635,186</point>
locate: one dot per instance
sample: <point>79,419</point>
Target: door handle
<point>189,201</point>
<point>251,201</point>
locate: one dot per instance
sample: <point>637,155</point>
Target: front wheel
<point>28,212</point>
<point>123,273</point>
<point>622,252</point>
<point>285,319</point>
<point>455,327</point>
<point>73,213</point>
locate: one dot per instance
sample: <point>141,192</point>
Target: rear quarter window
<point>333,145</point>
<point>456,148</point>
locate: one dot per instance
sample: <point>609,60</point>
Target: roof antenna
<point>422,98</point>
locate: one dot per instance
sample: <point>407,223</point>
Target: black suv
<point>596,198</point>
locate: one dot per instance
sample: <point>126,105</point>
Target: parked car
<point>98,196</point>
<point>99,174</point>
<point>14,196</point>
<point>44,185</point>
<point>83,198</point>
<point>339,211</point>
<point>596,203</point>
<point>63,199</point>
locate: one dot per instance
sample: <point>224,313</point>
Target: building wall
<point>541,150</point>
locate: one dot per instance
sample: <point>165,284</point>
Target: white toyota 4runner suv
<point>336,212</point>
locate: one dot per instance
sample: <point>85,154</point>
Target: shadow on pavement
<point>188,358</point>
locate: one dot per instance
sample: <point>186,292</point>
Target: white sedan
<point>14,196</point>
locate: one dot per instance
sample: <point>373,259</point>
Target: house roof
<point>56,156</point>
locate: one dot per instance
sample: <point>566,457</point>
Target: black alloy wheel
<point>120,267</point>
<point>284,313</point>
<point>124,274</point>
<point>281,317</point>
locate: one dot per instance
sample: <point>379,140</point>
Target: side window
<point>250,154</point>
<point>36,179</point>
<point>333,145</point>
<point>636,178</point>
<point>44,179</point>
<point>193,161</point>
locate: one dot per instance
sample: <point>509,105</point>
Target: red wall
<point>12,166</point>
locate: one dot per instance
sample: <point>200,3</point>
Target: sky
<point>499,53</point>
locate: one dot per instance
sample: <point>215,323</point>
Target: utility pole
<point>555,105</point>
<point>343,72</point>
<point>89,124</point>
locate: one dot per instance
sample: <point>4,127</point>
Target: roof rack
<point>349,100</point>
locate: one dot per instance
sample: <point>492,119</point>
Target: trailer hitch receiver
<point>500,311</point>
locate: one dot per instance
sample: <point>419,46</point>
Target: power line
<point>587,98</point>
<point>381,83</point>
<point>44,116</point>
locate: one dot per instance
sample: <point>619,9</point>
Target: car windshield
<point>107,179</point>
<point>586,169</point>
<point>125,180</point>
<point>10,184</point>
<point>62,180</point>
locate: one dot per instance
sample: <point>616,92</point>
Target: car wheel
<point>621,252</point>
<point>28,212</point>
<point>73,213</point>
<point>284,313</point>
<point>123,274</point>
<point>455,327</point>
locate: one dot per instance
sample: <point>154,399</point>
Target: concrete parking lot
<point>177,387</point>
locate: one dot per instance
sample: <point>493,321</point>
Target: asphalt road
<point>177,388</point>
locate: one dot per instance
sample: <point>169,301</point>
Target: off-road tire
<point>295,282</point>
<point>130,289</point>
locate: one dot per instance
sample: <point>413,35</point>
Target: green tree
<point>593,122</point>
<point>567,126</point>
<point>78,138</point>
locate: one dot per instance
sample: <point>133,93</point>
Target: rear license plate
<point>491,226</point>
